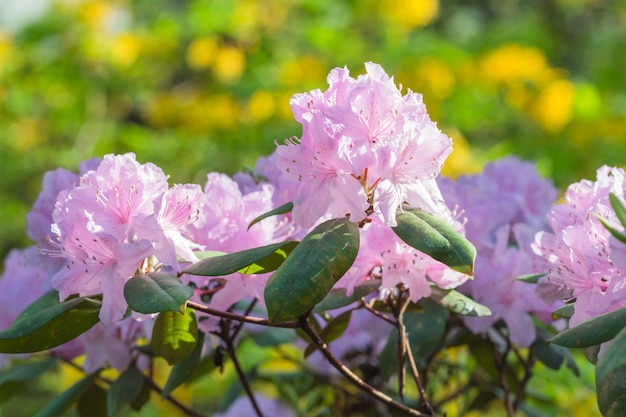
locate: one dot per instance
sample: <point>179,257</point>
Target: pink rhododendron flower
<point>578,252</point>
<point>117,216</point>
<point>365,148</point>
<point>223,227</point>
<point>383,255</point>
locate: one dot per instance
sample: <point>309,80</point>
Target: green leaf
<point>47,323</point>
<point>174,335</point>
<point>311,270</point>
<point>337,298</point>
<point>459,303</point>
<point>592,332</point>
<point>566,311</point>
<point>183,370</point>
<point>251,261</point>
<point>620,211</point>
<point>63,401</point>
<point>124,390</point>
<point>530,278</point>
<point>156,292</point>
<point>611,378</point>
<point>24,372</point>
<point>616,233</point>
<point>332,331</point>
<point>436,238</point>
<point>284,209</point>
<point>93,402</point>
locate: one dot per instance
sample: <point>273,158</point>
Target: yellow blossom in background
<point>305,69</point>
<point>435,77</point>
<point>553,108</point>
<point>261,106</point>
<point>230,62</point>
<point>283,106</point>
<point>201,53</point>
<point>125,50</point>
<point>26,134</point>
<point>95,13</point>
<point>461,160</point>
<point>5,48</point>
<point>519,95</point>
<point>511,63</point>
<point>409,14</point>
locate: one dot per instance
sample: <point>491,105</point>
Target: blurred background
<point>204,85</point>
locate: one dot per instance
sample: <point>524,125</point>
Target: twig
<point>501,366</point>
<point>377,313</point>
<point>172,400</point>
<point>416,377</point>
<point>241,374</point>
<point>528,373</point>
<point>237,317</point>
<point>351,376</point>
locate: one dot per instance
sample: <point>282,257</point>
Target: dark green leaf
<point>284,209</point>
<point>183,370</point>
<point>156,292</point>
<point>63,401</point>
<point>331,331</point>
<point>27,371</point>
<point>273,336</point>
<point>459,303</point>
<point>174,335</point>
<point>620,211</point>
<point>251,261</point>
<point>592,332</point>
<point>436,238</point>
<point>311,270</point>
<point>530,278</point>
<point>140,400</point>
<point>616,233</point>
<point>338,298</point>
<point>124,390</point>
<point>611,378</point>
<point>93,402</point>
<point>48,323</point>
<point>565,311</point>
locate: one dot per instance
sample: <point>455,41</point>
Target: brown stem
<point>237,317</point>
<point>378,314</point>
<point>241,374</point>
<point>416,377</point>
<point>351,376</point>
<point>500,360</point>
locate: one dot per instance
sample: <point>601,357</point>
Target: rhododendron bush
<point>404,292</point>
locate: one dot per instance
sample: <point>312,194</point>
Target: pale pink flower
<point>363,147</point>
<point>383,255</point>
<point>115,217</point>
<point>578,252</point>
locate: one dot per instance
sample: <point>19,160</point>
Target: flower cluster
<point>581,258</point>
<point>365,148</point>
<point>504,206</point>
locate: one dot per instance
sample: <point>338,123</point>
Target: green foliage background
<point>204,85</point>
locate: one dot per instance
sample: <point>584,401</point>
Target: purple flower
<point>504,206</point>
<point>363,147</point>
